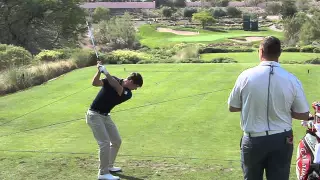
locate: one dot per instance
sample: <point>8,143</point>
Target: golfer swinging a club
<point>114,91</point>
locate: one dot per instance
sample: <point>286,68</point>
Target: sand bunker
<point>247,39</point>
<point>185,33</point>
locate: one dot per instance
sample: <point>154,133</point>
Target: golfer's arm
<point>115,84</point>
<point>96,80</point>
<point>234,109</point>
<point>300,116</point>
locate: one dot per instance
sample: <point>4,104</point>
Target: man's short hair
<point>136,78</point>
<point>271,47</point>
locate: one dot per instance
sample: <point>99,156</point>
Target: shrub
<point>307,49</point>
<point>218,12</point>
<point>223,60</point>
<point>224,50</point>
<point>291,49</point>
<point>233,12</point>
<point>84,58</point>
<point>128,57</point>
<point>49,55</point>
<point>67,53</point>
<point>13,56</point>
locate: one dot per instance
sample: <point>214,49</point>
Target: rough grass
<point>177,125</point>
<point>19,78</point>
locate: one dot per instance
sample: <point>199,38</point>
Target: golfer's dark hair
<point>136,78</point>
<point>271,47</point>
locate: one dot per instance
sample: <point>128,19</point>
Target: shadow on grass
<point>122,176</point>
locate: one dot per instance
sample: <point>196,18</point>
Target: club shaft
<point>92,40</point>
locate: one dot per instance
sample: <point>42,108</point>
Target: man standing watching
<point>268,97</point>
<point>114,91</point>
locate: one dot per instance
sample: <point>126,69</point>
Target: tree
<point>118,32</point>
<point>303,5</point>
<point>288,9</point>
<point>310,30</point>
<point>204,17</point>
<point>219,3</point>
<point>171,3</point>
<point>273,8</point>
<point>100,14</point>
<point>292,27</point>
<point>41,24</point>
<point>253,2</point>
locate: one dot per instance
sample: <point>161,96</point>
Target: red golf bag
<point>308,148</point>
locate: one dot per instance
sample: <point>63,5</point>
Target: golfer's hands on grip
<point>102,68</point>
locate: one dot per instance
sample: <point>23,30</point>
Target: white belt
<point>265,133</point>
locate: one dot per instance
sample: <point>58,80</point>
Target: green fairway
<point>286,57</point>
<point>177,126</point>
<point>150,37</point>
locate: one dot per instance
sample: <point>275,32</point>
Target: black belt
<point>99,112</point>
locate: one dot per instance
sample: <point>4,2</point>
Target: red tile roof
<point>120,5</point>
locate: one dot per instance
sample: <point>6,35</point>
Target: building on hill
<point>119,8</point>
<point>119,5</point>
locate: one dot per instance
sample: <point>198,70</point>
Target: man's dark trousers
<point>271,153</point>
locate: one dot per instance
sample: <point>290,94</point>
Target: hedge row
<point>224,50</point>
<point>310,49</point>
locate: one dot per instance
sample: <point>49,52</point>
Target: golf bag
<point>308,153</point>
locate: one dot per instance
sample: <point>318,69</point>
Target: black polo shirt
<point>108,97</point>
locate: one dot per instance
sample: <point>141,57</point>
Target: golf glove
<point>103,69</point>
